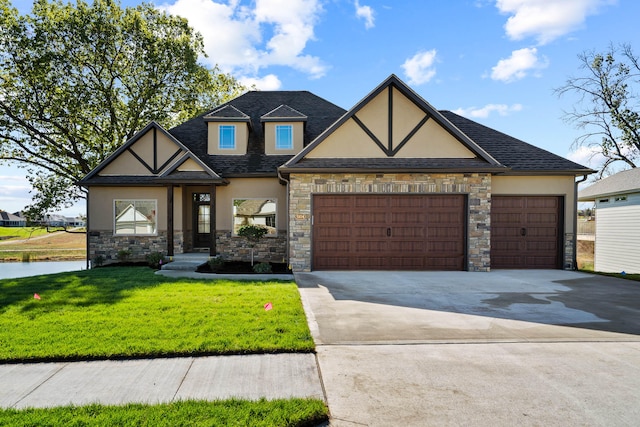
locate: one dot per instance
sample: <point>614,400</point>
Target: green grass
<point>627,276</point>
<point>21,232</point>
<point>130,312</point>
<point>290,412</point>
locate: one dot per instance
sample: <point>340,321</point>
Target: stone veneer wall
<point>476,186</point>
<point>269,249</point>
<point>104,243</point>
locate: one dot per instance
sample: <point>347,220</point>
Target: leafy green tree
<point>609,104</point>
<point>78,80</point>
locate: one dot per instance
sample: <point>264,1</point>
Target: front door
<point>201,220</point>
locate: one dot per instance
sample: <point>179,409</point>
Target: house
<point>617,236</point>
<point>11,220</point>
<point>391,183</point>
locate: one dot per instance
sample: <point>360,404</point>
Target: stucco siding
<point>250,188</point>
<point>101,208</point>
<point>540,186</point>
<point>617,243</point>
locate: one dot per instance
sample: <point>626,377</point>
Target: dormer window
<point>227,131</point>
<point>283,130</point>
<point>227,137</point>
<point>284,137</point>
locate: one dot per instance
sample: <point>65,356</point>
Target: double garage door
<point>428,232</point>
<point>389,232</point>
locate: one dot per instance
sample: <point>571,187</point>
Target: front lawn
<point>290,412</point>
<point>123,312</point>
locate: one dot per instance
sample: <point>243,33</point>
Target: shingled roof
<point>513,153</point>
<point>624,182</point>
<point>320,114</point>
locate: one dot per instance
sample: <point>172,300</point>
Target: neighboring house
<point>11,220</point>
<point>390,184</point>
<point>75,221</point>
<point>617,237</point>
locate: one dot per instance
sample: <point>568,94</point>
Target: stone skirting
<point>102,243</point>
<point>269,249</point>
<point>476,186</point>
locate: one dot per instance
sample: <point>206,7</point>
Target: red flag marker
<point>36,296</point>
<point>268,306</point>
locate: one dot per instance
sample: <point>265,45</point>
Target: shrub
<point>26,256</point>
<point>253,233</point>
<point>216,263</point>
<point>123,255</point>
<point>262,267</point>
<point>156,259</point>
<point>98,261</point>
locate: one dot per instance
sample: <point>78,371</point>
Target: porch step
<point>186,262</point>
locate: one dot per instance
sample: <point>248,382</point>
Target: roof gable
<point>284,113</point>
<point>393,122</point>
<point>150,153</point>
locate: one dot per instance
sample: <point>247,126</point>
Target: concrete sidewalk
<point>108,382</point>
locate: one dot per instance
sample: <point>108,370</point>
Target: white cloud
<point>518,65</point>
<point>484,112</point>
<point>366,13</point>
<point>268,82</point>
<point>420,67</point>
<point>245,39</point>
<point>546,20</point>
<point>587,156</point>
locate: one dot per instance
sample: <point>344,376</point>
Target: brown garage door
<point>390,232</point>
<point>526,231</point>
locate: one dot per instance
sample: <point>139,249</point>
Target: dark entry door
<point>201,220</point>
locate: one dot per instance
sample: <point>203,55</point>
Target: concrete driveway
<point>551,348</point>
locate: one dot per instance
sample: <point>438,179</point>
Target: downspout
<point>575,221</point>
<point>288,225</point>
<point>87,228</point>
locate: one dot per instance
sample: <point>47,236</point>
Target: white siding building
<point>617,241</point>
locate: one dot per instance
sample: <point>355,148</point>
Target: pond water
<point>10,270</point>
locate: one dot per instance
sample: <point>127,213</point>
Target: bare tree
<point>608,107</point>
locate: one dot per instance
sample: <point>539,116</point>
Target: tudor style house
<point>391,184</point>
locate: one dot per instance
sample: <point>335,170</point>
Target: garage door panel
<point>360,232</point>
<point>332,232</point>
<point>412,232</point>
<point>370,246</point>
<point>332,217</point>
<point>369,217</point>
<point>408,217</point>
<point>526,231</point>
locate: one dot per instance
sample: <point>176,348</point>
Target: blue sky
<point>494,61</point>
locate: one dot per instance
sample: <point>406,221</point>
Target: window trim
<point>275,219</point>
<point>231,128</point>
<point>133,202</point>
<point>291,138</point>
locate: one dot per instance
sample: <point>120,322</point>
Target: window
<point>135,217</point>
<point>604,200</point>
<point>284,137</point>
<point>621,199</point>
<point>227,140</point>
<point>255,211</point>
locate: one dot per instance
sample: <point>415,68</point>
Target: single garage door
<point>526,231</point>
<point>389,232</point>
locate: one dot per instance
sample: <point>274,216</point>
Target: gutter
<point>575,221</point>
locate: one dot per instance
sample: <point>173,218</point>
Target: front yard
<point>124,312</point>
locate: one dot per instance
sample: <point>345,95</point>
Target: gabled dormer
<point>228,131</point>
<point>283,130</point>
